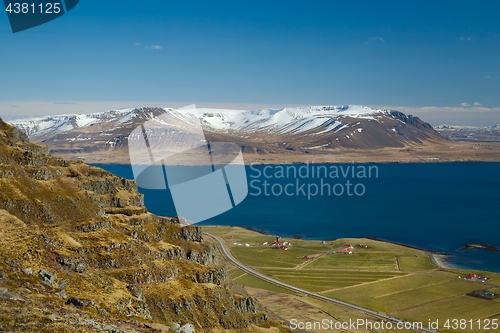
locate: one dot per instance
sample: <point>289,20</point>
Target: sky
<point>436,59</point>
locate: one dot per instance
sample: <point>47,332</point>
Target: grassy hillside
<point>388,278</point>
<point>80,253</point>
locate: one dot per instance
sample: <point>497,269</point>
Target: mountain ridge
<point>470,133</point>
<point>314,130</point>
<point>279,121</point>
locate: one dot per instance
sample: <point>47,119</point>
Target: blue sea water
<point>433,206</point>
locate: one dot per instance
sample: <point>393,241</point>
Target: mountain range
<point>316,130</point>
<point>470,133</point>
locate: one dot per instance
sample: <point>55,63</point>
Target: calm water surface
<point>434,206</point>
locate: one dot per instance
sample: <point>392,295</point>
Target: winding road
<point>266,278</point>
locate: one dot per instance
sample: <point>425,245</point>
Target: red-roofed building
<point>344,251</point>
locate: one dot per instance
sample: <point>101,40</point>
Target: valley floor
<point>394,280</point>
<point>452,151</point>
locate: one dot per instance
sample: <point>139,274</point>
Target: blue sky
<point>434,56</point>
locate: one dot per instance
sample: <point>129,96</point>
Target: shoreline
<point>92,163</point>
<point>437,258</point>
<point>407,245</point>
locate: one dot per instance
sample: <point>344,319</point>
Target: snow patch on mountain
<point>53,125</point>
<point>296,120</point>
<point>287,120</point>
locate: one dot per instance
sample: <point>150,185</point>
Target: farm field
<point>385,277</point>
<point>324,280</point>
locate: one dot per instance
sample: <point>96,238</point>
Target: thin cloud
<point>375,39</point>
<point>477,104</point>
<point>466,39</point>
<point>465,105</point>
<point>153,47</point>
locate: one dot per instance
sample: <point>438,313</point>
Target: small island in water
<point>480,246</point>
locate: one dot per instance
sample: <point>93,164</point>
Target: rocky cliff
<point>80,253</point>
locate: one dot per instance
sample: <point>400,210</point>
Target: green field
<point>365,261</point>
<point>250,281</point>
<point>386,277</point>
<point>396,295</point>
<point>323,280</point>
<point>265,256</point>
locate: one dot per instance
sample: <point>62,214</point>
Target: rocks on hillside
<point>78,241</point>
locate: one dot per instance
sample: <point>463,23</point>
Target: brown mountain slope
<point>328,137</point>
<point>302,133</point>
<point>80,253</point>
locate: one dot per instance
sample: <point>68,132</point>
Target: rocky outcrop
<point>158,230</point>
<point>80,302</point>
<point>133,307</point>
<point>94,226</point>
<point>191,234</point>
<point>200,307</point>
<point>76,265</point>
<point>207,257</point>
<point>46,277</point>
<point>247,305</point>
<point>147,275</point>
<point>16,136</point>
<point>215,275</point>
<point>77,240</point>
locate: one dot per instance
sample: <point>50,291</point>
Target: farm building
<point>344,251</point>
<point>347,246</point>
<point>280,245</point>
<point>476,277</point>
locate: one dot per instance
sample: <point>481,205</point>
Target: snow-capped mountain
<point>280,121</point>
<point>287,120</point>
<point>299,129</point>
<point>470,133</point>
<point>50,126</point>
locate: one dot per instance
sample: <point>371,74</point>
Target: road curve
<point>266,278</point>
